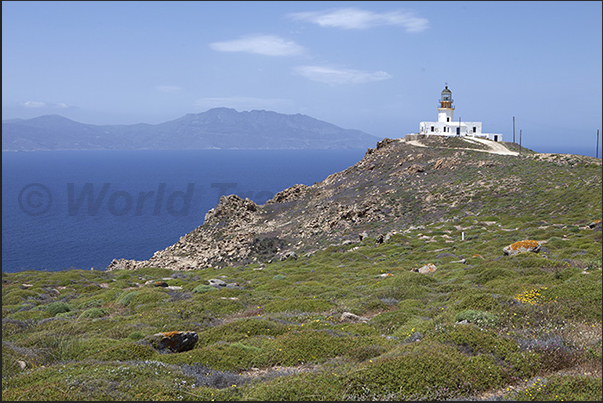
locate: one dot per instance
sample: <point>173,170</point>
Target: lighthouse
<point>446,126</point>
<point>446,110</point>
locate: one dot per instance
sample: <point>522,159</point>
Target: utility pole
<point>597,149</point>
<point>513,129</point>
<point>519,141</point>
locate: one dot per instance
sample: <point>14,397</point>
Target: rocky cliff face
<point>396,185</point>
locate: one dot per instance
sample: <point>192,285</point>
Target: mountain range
<point>218,128</point>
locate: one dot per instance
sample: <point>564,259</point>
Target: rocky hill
<point>219,128</point>
<point>398,185</point>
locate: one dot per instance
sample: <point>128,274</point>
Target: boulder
<point>175,341</point>
<point>595,225</point>
<point>352,318</point>
<point>214,282</point>
<point>522,246</point>
<point>428,268</point>
<point>286,255</point>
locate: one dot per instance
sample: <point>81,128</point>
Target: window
<point>432,128</point>
<point>474,129</point>
<point>447,119</point>
<point>458,130</point>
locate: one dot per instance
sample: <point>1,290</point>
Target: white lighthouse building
<point>446,126</point>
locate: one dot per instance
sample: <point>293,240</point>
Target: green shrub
<point>94,313</point>
<point>125,299</point>
<point>126,352</point>
<point>200,289</point>
<point>478,301</point>
<point>434,372</point>
<point>299,305</point>
<point>299,387</point>
<point>487,275</point>
<point>561,387</point>
<point>473,340</point>
<point>57,307</point>
<point>136,336</point>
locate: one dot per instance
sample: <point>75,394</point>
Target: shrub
<point>305,386</point>
<point>127,352</point>
<point>57,307</point>
<point>433,371</point>
<point>473,340</point>
<point>299,305</point>
<point>94,313</point>
<point>200,289</point>
<point>561,387</point>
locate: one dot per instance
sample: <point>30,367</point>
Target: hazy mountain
<point>220,128</point>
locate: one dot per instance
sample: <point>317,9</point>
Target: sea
<point>66,210</point>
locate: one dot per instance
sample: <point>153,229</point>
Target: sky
<point>375,66</point>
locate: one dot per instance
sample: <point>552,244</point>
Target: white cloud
<point>33,104</point>
<point>353,18</point>
<point>168,88</point>
<point>241,103</point>
<point>39,104</point>
<point>340,76</point>
<point>269,45</point>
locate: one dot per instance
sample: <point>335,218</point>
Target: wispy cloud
<point>269,45</point>
<point>168,88</point>
<point>334,76</point>
<point>39,104</point>
<point>354,18</point>
<point>242,103</point>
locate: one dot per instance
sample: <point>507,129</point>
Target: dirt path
<point>493,147</point>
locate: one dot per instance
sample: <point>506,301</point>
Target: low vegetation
<point>524,327</point>
<point>350,321</point>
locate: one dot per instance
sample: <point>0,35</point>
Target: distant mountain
<point>219,128</point>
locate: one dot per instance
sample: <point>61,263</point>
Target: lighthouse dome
<point>446,91</point>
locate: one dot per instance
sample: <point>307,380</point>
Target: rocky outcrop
<point>175,342</point>
<point>395,186</point>
<point>522,246</point>
<point>352,318</point>
<point>426,269</point>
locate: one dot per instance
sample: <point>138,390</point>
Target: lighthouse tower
<point>446,110</point>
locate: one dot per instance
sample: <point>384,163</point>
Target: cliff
<point>397,185</point>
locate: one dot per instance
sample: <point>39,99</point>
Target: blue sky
<point>373,66</point>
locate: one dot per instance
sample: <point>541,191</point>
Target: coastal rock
<point>522,246</point>
<point>293,193</point>
<point>231,207</point>
<point>381,191</point>
<point>124,264</point>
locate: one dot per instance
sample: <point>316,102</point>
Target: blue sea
<point>82,209</point>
